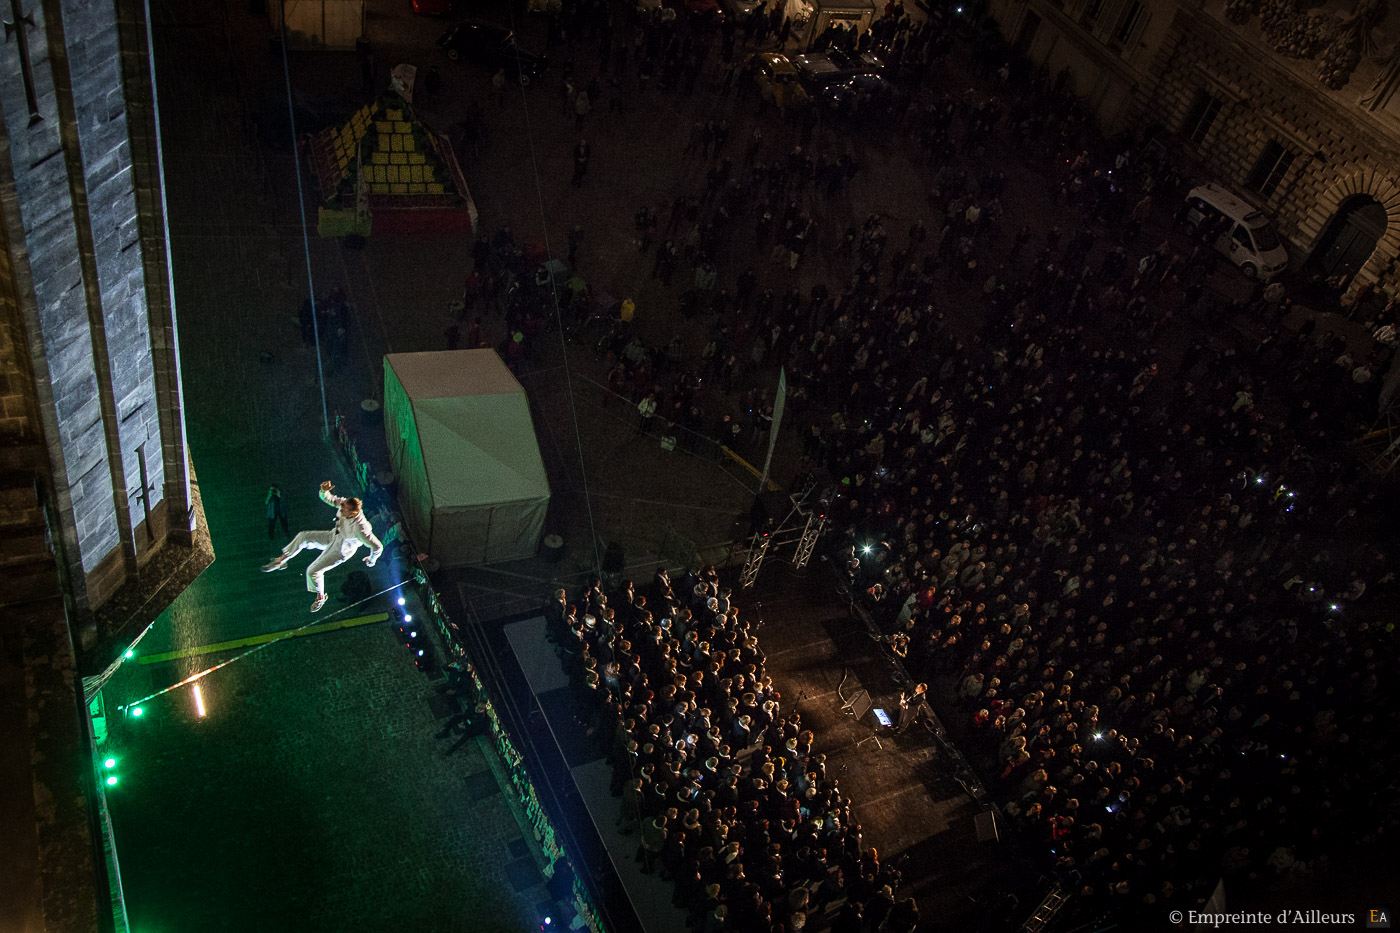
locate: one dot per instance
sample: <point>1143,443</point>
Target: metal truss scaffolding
<point>799,531</point>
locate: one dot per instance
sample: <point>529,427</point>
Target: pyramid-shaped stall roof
<point>400,162</point>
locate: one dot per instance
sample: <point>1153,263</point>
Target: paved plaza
<point>314,795</point>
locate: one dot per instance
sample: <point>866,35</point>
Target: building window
<point>1273,163</point>
<point>1090,16</point>
<point>1130,25</point>
<point>1201,117</point>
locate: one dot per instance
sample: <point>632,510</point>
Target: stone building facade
<point>1294,105</point>
<point>100,523</point>
<point>1322,160</point>
<point>1100,49</point>
<point>89,359</point>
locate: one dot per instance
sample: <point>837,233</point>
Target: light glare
<point>198,700</point>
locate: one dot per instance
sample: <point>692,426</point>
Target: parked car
<point>841,95</point>
<point>739,10</point>
<point>493,46</point>
<point>1237,229</point>
<point>776,77</point>
<point>701,7</point>
<point>818,69</point>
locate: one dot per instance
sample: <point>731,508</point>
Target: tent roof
<point>474,425</point>
<point>453,373</point>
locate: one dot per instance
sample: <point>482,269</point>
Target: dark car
<point>845,96</point>
<point>493,46</point>
<point>819,69</point>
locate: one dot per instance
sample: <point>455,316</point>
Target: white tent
<point>472,486</point>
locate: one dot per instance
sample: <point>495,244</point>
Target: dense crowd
<point>1137,558</point>
<point>719,783</point>
<point>1150,593</point>
<point>1148,576</point>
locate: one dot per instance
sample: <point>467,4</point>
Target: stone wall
<point>1339,149</point>
<point>19,419</point>
<point>47,273</point>
<point>86,274</point>
<point>1100,71</point>
<point>143,125</point>
<point>115,265</point>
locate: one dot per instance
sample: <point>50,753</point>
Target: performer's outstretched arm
<point>375,546</point>
<point>328,497</point>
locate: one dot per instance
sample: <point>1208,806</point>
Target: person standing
<point>911,705</point>
<point>469,725</point>
<point>276,509</point>
<point>575,240</point>
<point>581,108</point>
<point>498,87</point>
<point>653,841</point>
<point>581,156</point>
<point>647,409</point>
<point>351,529</point>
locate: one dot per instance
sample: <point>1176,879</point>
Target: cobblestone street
<point>314,795</point>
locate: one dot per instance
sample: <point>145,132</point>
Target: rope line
<point>554,298</point>
<point>305,237</point>
<point>254,650</point>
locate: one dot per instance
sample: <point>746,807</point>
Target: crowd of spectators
<point>1136,556</point>
<point>1146,566</point>
<point>720,785</point>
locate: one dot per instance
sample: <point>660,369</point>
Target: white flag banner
<point>779,404</point>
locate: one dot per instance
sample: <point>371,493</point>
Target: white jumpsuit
<point>339,544</point>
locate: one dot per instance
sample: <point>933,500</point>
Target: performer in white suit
<point>338,545</point>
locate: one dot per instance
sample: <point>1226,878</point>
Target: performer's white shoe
<point>277,563</point>
<point>318,602</point>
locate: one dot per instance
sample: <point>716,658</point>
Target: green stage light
<point>138,712</point>
<point>112,781</point>
<point>110,763</point>
<point>129,654</point>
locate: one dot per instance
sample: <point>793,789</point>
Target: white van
<point>1241,231</point>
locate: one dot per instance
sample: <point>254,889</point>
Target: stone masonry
<point>95,480</point>
<point>1339,148</point>
<point>88,287</point>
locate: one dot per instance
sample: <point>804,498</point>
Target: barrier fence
<point>511,757</point>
